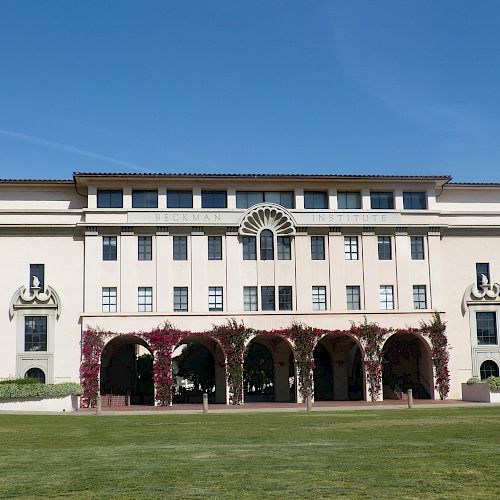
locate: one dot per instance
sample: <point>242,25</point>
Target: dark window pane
<point>488,369</point>
<point>349,200</point>
<point>417,247</point>
<point>35,333</point>
<point>284,248</point>
<point>353,298</point>
<point>144,199</point>
<point>179,199</point>
<point>414,200</point>
<point>384,248</point>
<point>267,298</point>
<point>180,298</point>
<point>249,247</point>
<point>37,374</point>
<point>180,247</point>
<point>215,248</point>
<point>109,198</point>
<point>109,251</point>
<point>382,200</point>
<point>213,199</point>
<point>266,245</point>
<point>486,323</point>
<point>315,200</point>
<point>145,247</point>
<point>419,297</point>
<point>246,199</point>
<point>317,247</point>
<point>285,298</point>
<point>37,270</point>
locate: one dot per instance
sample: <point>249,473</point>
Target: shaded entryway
<point>127,372</point>
<point>198,366</point>
<point>269,371</point>
<point>407,365</point>
<point>338,372</point>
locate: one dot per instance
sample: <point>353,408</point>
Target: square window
<point>351,247</point>
<point>317,248</point>
<point>215,298</point>
<point>180,247</point>
<point>109,248</point>
<point>386,297</point>
<point>145,299</point>
<point>213,199</point>
<point>179,199</point>
<point>348,200</point>
<point>419,297</point>
<point>319,298</point>
<point>316,200</point>
<point>284,248</point>
<point>486,326</point>
<point>145,247</point>
<point>384,248</point>
<point>215,248</point>
<point>250,298</point>
<point>382,200</point>
<point>249,247</point>
<point>285,298</point>
<point>109,198</point>
<point>414,200</point>
<point>144,199</point>
<point>38,271</point>
<point>180,298</point>
<point>417,247</point>
<point>267,299</point>
<point>109,299</point>
<point>353,298</point>
<point>35,333</point>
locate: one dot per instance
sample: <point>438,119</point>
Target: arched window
<point>266,245</point>
<point>488,369</point>
<point>35,373</point>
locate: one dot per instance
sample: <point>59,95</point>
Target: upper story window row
<point>313,200</point>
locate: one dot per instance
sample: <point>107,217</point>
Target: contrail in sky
<point>69,149</point>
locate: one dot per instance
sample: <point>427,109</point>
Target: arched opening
<point>198,366</point>
<point>127,372</point>
<point>36,374</point>
<point>488,369</point>
<point>266,245</point>
<point>269,371</point>
<point>338,372</point>
<point>407,365</point>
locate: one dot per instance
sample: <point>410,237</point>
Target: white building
<point>126,252</point>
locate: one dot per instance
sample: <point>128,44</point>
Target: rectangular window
<point>319,298</point>
<point>38,271</point>
<point>246,199</point>
<point>349,200</point>
<point>145,298</point>
<point>215,248</point>
<point>351,247</point>
<point>317,248</point>
<point>179,199</point>
<point>384,248</point>
<point>249,247</point>
<point>417,247</point>
<point>267,299</point>
<point>250,298</point>
<point>419,297</point>
<point>215,298</point>
<point>482,268</point>
<point>315,200</point>
<point>35,333</point>
<point>353,297</point>
<point>109,198</point>
<point>180,298</point>
<point>144,199</point>
<point>386,297</point>
<point>284,248</point>
<point>109,248</point>
<point>109,299</point>
<point>285,298</point>
<point>145,247</point>
<point>382,200</point>
<point>213,199</point>
<point>486,325</point>
<point>414,200</point>
<point>180,247</point>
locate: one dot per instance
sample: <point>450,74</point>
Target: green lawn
<point>443,453</point>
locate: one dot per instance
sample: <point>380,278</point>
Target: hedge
<point>493,382</point>
<point>12,390</point>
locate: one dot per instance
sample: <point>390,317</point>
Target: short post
<point>98,405</point>
<point>410,398</point>
<point>309,403</point>
<point>205,402</point>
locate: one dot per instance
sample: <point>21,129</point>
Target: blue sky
<point>384,87</point>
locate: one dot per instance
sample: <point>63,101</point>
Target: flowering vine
<point>92,345</point>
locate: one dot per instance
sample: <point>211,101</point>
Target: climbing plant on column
<point>92,345</point>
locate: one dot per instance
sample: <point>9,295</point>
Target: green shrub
<point>12,389</point>
<point>21,381</point>
<point>494,383</point>
<point>474,380</point>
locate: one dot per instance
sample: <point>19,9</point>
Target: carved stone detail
<point>485,291</point>
<point>36,297</point>
<point>267,216</point>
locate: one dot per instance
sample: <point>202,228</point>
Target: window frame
<point>316,200</point>
<point>144,248</point>
<point>284,249</point>
<point>108,254</point>
<point>285,298</point>
<point>386,299</point>
<point>409,200</point>
<point>265,305</point>
<point>418,302</point>
<point>144,292</point>
<point>211,198</point>
<point>38,339</point>
<point>319,298</point>
<point>249,246</point>
<point>384,247</point>
<point>214,246</point>
<point>107,305</point>
<point>37,270</point>
<point>382,198</point>
<point>351,304</point>
<point>491,372</point>
<point>215,297</point>
<point>179,198</point>
<point>345,199</point>
<point>250,298</point>
<point>179,252</point>
<point>351,248</point>
<point>494,336</point>
<point>180,299</point>
<point>417,252</point>
<point>317,247</point>
<point>479,272</point>
<point>266,244</point>
<point>115,198</point>
<point>145,201</point>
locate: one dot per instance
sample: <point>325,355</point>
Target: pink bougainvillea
<point>92,345</point>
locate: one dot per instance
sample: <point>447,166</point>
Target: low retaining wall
<point>480,393</point>
<point>66,403</point>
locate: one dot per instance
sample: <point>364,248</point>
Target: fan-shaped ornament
<point>267,216</point>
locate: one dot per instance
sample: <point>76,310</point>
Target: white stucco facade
<point>61,226</point>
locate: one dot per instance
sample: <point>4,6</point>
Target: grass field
<point>439,453</point>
